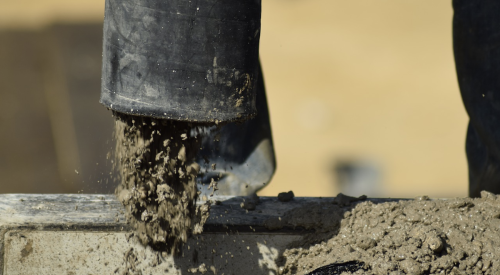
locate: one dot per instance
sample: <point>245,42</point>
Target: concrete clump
<point>157,169</point>
<point>286,196</point>
<point>250,202</point>
<point>421,236</point>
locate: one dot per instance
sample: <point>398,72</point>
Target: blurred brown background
<point>363,98</point>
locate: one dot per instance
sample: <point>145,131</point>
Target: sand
<point>157,169</point>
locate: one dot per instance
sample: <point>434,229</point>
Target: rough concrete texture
<point>157,168</point>
<point>421,236</point>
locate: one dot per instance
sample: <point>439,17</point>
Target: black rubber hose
<point>181,60</point>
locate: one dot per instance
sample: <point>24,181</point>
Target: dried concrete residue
<point>421,236</point>
<point>202,269</point>
<point>155,160</point>
<point>27,249</point>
